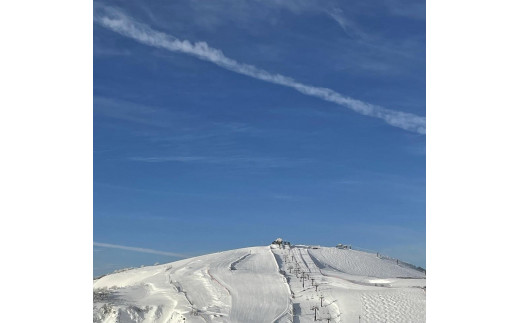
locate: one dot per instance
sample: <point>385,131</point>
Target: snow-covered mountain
<point>274,283</point>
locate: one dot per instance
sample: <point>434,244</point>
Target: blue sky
<point>226,124</point>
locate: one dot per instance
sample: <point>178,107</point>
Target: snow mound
<point>276,283</point>
<point>361,263</point>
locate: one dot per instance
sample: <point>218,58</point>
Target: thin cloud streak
<point>117,21</point>
<point>144,250</point>
<point>260,162</point>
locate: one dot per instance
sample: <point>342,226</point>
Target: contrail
<point>157,252</point>
<point>119,22</point>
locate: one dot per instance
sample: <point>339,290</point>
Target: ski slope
<point>265,284</point>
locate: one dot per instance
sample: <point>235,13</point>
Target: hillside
<point>265,284</point>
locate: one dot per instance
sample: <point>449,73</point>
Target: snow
<point>264,284</point>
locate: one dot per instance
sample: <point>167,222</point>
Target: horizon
<point>184,257</point>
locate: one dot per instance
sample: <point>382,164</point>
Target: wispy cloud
<point>348,26</point>
<point>144,250</point>
<point>133,112</point>
<point>403,188</point>
<point>263,162</point>
<point>384,180</point>
<point>182,159</point>
<point>130,188</point>
<point>407,8</point>
<point>285,197</point>
<point>117,21</point>
<point>349,182</point>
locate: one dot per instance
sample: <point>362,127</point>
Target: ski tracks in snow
<point>265,284</point>
<point>288,306</point>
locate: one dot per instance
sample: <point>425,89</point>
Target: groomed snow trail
<point>241,285</point>
<point>265,284</point>
<point>339,285</point>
